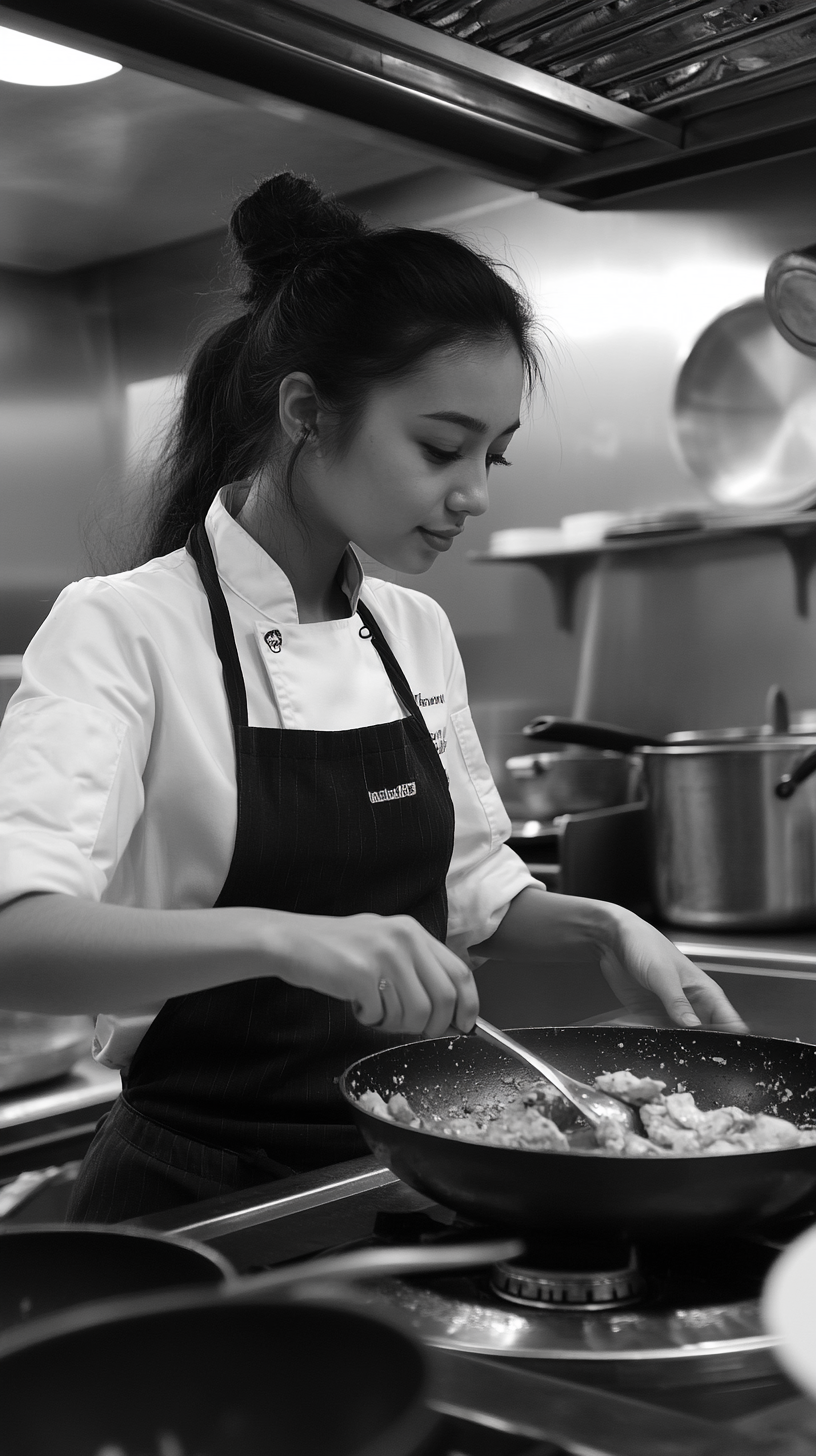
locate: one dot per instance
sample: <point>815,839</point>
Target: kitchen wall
<point>70,345</point>
<point>60,419</point>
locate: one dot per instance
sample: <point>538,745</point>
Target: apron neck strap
<point>198,545</point>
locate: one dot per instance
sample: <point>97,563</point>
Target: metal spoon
<point>595,1106</point>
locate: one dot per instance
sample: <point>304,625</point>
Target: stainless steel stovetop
<point>679,1367</point>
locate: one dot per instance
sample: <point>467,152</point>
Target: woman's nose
<point>469,495</point>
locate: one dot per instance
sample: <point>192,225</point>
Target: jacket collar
<point>251,573</point>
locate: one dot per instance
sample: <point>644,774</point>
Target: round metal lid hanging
<point>790,298</point>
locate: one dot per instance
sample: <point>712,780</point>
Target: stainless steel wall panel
<point>59,436</point>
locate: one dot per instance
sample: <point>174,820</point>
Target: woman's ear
<point>298,407</point>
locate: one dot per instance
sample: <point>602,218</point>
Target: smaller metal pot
<point>572,782</point>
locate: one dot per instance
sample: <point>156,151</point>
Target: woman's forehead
<point>481,381</point>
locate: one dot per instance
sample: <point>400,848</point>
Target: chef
<point>244,815</point>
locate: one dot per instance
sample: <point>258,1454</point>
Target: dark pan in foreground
<point>211,1376</point>
<point>581,1194</point>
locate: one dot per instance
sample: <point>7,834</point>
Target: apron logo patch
<point>402,791</point>
<point>273,640</point>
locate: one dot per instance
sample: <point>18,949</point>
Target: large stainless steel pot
<point>728,849</point>
<point>732,821</point>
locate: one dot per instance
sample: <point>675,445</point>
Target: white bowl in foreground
<point>789,1310</point>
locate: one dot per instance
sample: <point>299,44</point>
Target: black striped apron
<point>237,1084</point>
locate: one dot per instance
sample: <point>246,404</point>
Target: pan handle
<point>373,1264</point>
<point>590,735</point>
<point>789,783</point>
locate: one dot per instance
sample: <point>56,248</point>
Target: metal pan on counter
<point>731,817</point>
<point>580,1194</point>
<point>35,1048</point>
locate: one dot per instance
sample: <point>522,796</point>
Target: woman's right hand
<point>396,975</point>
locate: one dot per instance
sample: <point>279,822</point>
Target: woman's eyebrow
<point>468,422</point>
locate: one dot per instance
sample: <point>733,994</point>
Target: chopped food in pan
<point>537,1118</point>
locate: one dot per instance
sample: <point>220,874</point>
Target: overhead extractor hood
<point>584,102</point>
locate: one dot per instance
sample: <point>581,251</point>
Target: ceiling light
<point>26,60</point>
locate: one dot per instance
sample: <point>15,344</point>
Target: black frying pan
<point>215,1375</point>
<point>581,1194</point>
<point>51,1267</point>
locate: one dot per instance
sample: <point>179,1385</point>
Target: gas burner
<point>582,1278</point>
<point>689,1326</point>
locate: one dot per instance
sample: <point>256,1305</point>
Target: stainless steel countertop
<point>780,953</point>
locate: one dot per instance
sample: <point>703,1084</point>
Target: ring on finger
<point>383,986</point>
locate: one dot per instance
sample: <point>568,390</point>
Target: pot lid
<point>737,742</point>
<point>722,735</point>
<point>745,411</point>
<point>790,297</point>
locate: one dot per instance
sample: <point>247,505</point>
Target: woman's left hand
<point>649,975</point>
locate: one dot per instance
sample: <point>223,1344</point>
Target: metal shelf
<point>565,567</point>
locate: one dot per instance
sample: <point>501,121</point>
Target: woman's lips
<point>440,540</point>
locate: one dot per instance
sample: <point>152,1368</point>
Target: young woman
<point>243,810</point>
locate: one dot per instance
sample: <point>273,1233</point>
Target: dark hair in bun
<point>285,224</point>
<point>347,304</point>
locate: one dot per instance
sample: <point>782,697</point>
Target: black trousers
<point>134,1163</point>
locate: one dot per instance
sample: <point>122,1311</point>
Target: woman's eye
<point>497,460</point>
<point>442,457</point>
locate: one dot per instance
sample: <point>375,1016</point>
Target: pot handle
<point>789,783</point>
<point>589,735</point>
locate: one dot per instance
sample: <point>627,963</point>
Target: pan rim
<point>212,1256</point>
<point>585,1154</point>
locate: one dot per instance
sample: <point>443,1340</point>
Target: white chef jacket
<point>117,767</point>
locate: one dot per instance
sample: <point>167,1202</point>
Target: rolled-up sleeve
<point>485,875</point>
<point>73,744</point>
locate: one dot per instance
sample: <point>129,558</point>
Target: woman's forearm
<point>645,970</point>
<point>538,921</point>
<point>60,954</point>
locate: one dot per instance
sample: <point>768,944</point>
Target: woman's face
<point>418,463</point>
